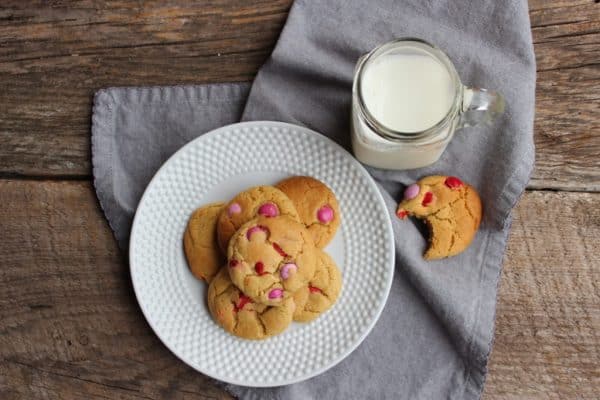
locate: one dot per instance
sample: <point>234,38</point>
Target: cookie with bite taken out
<point>451,209</point>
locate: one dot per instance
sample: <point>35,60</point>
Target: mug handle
<point>480,106</point>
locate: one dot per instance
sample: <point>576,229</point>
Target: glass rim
<point>392,134</point>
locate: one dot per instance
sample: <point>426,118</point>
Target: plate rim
<point>391,253</point>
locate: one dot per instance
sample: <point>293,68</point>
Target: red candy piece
<point>313,289</point>
<point>260,268</point>
<point>234,263</point>
<point>243,301</point>
<point>402,213</point>
<point>453,182</point>
<point>279,250</point>
<point>427,199</point>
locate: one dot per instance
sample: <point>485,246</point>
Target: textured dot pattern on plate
<point>179,315</point>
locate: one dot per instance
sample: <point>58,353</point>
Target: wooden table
<point>69,323</point>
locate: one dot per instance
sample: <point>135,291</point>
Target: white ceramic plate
<point>215,167</point>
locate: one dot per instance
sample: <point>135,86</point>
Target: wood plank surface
<point>566,37</point>
<point>55,55</point>
<point>70,326</point>
<point>547,343</point>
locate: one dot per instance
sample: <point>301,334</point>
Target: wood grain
<point>566,36</point>
<point>54,56</point>
<point>547,342</point>
<point>70,325</point>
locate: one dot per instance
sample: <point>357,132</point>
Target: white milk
<point>408,91</point>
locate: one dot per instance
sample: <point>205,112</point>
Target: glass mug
<point>420,135</point>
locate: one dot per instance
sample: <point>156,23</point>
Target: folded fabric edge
<point>517,187</point>
<point>101,136</point>
<point>103,133</point>
<point>486,317</point>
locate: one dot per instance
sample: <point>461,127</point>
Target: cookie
<point>316,204</point>
<point>271,258</point>
<point>261,200</point>
<point>240,316</point>
<point>321,292</point>
<point>451,209</point>
<point>200,242</point>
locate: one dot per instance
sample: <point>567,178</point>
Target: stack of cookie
<point>262,254</point>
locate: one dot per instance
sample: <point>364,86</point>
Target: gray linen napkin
<point>434,336</point>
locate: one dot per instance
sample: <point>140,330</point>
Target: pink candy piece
<point>325,214</point>
<point>288,269</point>
<point>268,210</point>
<point>255,229</point>
<point>412,191</point>
<point>275,294</point>
<point>234,208</point>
